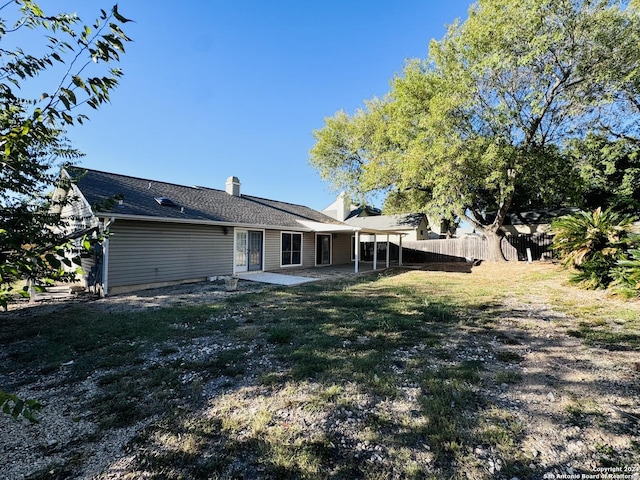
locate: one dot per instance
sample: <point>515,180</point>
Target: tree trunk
<point>494,240</point>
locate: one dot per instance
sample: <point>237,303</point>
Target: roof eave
<point>150,218</point>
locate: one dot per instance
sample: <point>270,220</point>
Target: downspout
<point>105,257</point>
<point>400,252</point>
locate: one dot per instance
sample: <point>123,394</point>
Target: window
<point>241,249</point>
<point>291,248</point>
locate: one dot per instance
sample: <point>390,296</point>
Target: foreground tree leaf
<point>32,130</point>
<point>33,144</point>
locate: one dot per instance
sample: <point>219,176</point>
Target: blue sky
<point>219,88</point>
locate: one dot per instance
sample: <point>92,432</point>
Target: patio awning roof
<point>338,228</point>
<point>326,227</point>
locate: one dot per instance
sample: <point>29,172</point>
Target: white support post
<point>356,252</point>
<point>375,251</point>
<point>388,250</point>
<point>32,291</point>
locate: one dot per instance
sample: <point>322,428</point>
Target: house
<point>529,223</point>
<point>394,228</point>
<point>412,226</point>
<point>342,209</point>
<point>533,222</point>
<point>162,233</point>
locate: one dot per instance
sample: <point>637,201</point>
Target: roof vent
<point>233,186</point>
<point>166,202</point>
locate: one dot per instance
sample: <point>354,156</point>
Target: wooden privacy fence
<point>475,247</point>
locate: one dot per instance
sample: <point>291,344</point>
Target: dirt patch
<point>580,405</point>
<point>186,293</point>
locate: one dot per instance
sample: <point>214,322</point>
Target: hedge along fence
<point>477,248</point>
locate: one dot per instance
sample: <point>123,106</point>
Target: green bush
<point>627,274</point>
<point>593,243</point>
<point>595,273</point>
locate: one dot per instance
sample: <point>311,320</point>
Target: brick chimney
<point>233,186</point>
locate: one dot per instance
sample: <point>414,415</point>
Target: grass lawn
<point>408,374</point>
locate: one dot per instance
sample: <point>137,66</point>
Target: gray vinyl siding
<point>272,249</point>
<point>309,249</point>
<point>146,252</point>
<point>341,248</point>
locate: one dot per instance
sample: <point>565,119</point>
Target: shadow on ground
<point>367,378</point>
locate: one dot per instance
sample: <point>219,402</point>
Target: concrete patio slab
<point>274,278</point>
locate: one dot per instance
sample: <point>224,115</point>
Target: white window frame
<point>236,267</point>
<point>245,267</point>
<point>282,233</point>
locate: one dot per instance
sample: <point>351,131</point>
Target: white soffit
<point>326,227</point>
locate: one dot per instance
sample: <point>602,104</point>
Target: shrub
<point>627,273</point>
<point>593,243</point>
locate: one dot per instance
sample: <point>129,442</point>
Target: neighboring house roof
<point>405,221</point>
<point>537,217</point>
<point>152,199</point>
<point>363,211</point>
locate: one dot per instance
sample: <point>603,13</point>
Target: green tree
<point>482,123</point>
<point>609,171</point>
<point>79,58</point>
<point>32,128</point>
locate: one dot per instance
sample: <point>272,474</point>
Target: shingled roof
<point>143,198</point>
<point>399,222</point>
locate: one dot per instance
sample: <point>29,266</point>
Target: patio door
<point>255,250</point>
<point>248,250</point>
<point>241,249</point>
<point>323,250</point>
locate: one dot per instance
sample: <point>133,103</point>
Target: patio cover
<point>343,228</point>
